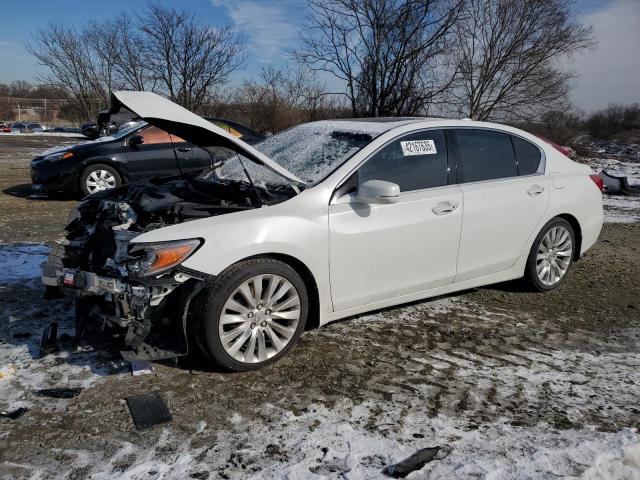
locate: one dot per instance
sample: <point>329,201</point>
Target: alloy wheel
<point>554,255</point>
<point>99,180</point>
<point>259,318</point>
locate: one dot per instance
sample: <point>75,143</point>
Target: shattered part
<point>145,313</point>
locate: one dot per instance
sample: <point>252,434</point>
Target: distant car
<point>33,127</point>
<point>18,127</point>
<point>4,128</point>
<point>135,152</point>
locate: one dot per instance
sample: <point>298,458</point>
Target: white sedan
<point>323,221</point>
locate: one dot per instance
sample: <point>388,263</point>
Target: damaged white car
<point>320,222</point>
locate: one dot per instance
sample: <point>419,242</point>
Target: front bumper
<point>147,317</point>
<point>61,175</point>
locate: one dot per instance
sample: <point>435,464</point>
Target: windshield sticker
<point>418,147</point>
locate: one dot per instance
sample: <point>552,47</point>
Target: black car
<point>136,151</point>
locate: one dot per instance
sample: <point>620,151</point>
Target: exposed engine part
<point>96,261</point>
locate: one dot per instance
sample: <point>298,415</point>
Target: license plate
<point>68,278</point>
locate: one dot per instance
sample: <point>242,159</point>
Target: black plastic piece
<point>412,463</point>
<point>49,342</point>
<point>14,414</point>
<point>148,410</point>
<point>58,392</point>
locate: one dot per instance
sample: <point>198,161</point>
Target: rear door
<point>385,251</point>
<point>154,157</point>
<point>505,196</point>
<point>190,157</point>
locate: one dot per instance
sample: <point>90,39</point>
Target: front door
<point>383,251</point>
<point>155,156</point>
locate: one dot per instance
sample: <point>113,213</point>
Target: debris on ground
<point>58,392</point>
<point>412,463</point>
<point>148,410</point>
<point>49,341</point>
<point>141,367</point>
<point>617,185</point>
<point>14,414</point>
<point>6,372</point>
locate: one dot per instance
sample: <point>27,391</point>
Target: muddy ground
<point>509,384</point>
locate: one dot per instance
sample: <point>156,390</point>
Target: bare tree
<point>281,98</point>
<point>506,53</point>
<point>68,56</point>
<point>164,50</point>
<point>187,58</point>
<point>122,44</point>
<point>383,50</point>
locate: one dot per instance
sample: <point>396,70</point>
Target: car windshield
<point>311,151</point>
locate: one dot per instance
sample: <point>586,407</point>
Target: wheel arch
<point>577,231</point>
<point>313,320</point>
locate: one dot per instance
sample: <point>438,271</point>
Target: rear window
<point>528,156</point>
<point>486,155</point>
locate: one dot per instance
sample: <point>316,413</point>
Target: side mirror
<point>378,191</point>
<point>136,140</point>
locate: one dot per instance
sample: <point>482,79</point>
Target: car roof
<point>371,126</point>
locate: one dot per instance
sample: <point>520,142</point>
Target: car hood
<point>177,120</point>
<point>76,146</point>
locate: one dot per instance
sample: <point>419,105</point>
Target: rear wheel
<point>252,315</point>
<point>551,255</point>
<point>98,177</point>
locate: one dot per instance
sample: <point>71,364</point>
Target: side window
<point>486,155</point>
<point>414,162</point>
<point>153,135</point>
<point>175,139</point>
<point>528,156</point>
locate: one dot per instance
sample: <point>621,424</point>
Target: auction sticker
<point>418,147</point>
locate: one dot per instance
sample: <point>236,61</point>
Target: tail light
<point>597,179</point>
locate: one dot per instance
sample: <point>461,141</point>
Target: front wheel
<point>99,177</point>
<point>252,315</point>
<point>551,255</point>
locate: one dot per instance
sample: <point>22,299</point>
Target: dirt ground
<point>508,384</point>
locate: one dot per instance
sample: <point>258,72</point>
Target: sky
<point>608,74</point>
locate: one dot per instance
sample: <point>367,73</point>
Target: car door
<point>155,156</point>
<point>384,251</point>
<point>505,197</point>
<point>190,158</point>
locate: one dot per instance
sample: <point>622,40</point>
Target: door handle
<point>535,190</point>
<point>444,208</point>
<point>183,149</point>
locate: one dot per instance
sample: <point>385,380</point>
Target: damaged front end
<point>138,293</point>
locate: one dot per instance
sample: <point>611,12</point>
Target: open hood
<point>179,121</point>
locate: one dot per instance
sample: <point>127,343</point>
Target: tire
<point>104,177</point>
<point>546,273</point>
<point>249,328</point>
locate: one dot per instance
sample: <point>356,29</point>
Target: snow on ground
<point>620,208</point>
<point>21,261</point>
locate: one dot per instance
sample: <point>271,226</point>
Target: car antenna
<point>255,189</point>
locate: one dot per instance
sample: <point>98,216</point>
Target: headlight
<point>58,156</point>
<point>152,259</point>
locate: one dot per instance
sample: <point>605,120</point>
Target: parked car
<point>4,128</point>
<point>17,127</point>
<point>32,127</point>
<point>323,221</point>
<point>136,151</point>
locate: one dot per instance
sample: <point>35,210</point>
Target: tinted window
<point>154,135</point>
<point>528,156</point>
<point>414,162</point>
<point>486,155</point>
